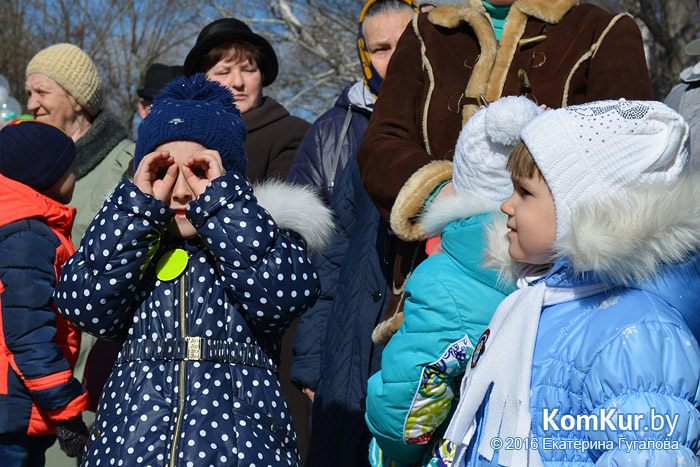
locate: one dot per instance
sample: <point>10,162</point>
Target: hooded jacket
<point>555,52</point>
<point>450,299</point>
<point>38,348</point>
<point>319,162</point>
<point>196,379</point>
<point>332,140</point>
<point>631,350</point>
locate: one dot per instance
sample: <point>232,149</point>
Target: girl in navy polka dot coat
<point>200,280</point>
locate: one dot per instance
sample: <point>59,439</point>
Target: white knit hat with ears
<point>593,150</point>
<point>484,144</point>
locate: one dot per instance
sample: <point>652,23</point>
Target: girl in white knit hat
<point>595,359</point>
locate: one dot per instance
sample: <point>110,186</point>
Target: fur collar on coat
<point>104,134</point>
<point>550,11</point>
<point>491,69</point>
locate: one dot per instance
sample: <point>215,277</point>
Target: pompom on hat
<point>200,110</point>
<point>588,151</point>
<point>34,153</point>
<point>74,71</point>
<point>484,144</point>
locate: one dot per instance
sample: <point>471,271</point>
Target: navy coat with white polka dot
<point>245,281</point>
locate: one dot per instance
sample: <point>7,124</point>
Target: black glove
<point>72,435</point>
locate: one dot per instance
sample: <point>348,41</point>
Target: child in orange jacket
<point>39,397</point>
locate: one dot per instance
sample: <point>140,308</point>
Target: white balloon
<point>10,110</point>
<point>4,88</point>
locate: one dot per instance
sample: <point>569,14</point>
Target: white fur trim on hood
<point>625,237</point>
<point>297,208</point>
<point>442,211</point>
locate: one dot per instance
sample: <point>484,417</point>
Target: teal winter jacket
<point>450,299</point>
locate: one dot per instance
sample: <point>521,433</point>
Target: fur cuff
<point>384,330</point>
<point>411,199</point>
<point>297,208</point>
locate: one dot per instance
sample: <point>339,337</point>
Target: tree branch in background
<point>315,41</point>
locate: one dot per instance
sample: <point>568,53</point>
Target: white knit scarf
<point>506,362</point>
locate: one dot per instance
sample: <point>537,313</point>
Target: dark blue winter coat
<point>195,382</point>
<point>334,352</point>
<point>315,163</point>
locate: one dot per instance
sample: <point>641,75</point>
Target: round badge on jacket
<point>480,347</point>
<point>171,265</point>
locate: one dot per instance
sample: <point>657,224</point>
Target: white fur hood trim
<point>442,211</point>
<point>297,208</point>
<point>626,237</point>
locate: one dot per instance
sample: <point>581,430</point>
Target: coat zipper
<point>183,363</point>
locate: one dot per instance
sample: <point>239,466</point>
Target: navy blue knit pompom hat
<point>200,110</point>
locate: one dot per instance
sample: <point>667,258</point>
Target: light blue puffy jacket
<point>630,351</point>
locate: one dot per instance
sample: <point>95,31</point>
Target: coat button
<point>376,296</point>
<point>275,428</point>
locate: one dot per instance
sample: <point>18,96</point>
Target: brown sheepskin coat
<point>555,52</point>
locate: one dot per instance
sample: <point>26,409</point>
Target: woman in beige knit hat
<point>64,88</point>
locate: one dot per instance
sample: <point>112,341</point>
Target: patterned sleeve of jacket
<point>310,337</point>
<point>28,324</point>
<point>263,267</point>
<point>99,285</point>
<point>412,395</point>
<point>645,379</point>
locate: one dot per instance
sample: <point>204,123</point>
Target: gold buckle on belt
<point>194,348</point>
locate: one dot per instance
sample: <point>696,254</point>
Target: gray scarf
<point>104,134</point>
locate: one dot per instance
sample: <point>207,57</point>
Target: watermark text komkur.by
<point>610,420</point>
<point>607,420</point>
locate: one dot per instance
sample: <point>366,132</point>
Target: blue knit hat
<point>35,153</point>
<point>200,110</point>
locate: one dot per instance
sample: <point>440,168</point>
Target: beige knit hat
<point>74,71</point>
